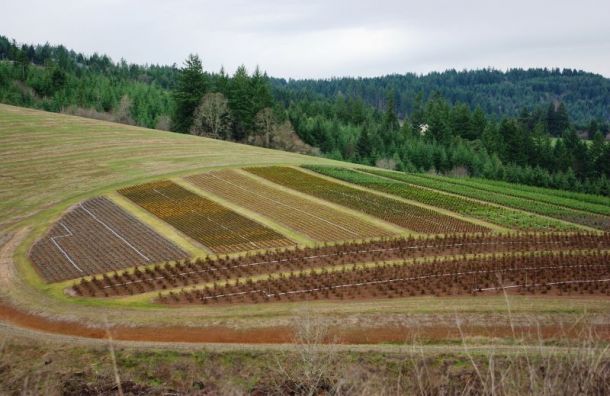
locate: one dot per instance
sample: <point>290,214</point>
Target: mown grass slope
<point>47,158</point>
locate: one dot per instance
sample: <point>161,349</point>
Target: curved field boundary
<point>96,236</point>
<point>408,216</point>
<point>219,229</point>
<point>313,219</point>
<point>558,212</point>
<point>485,211</point>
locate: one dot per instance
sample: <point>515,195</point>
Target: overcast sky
<point>322,38</point>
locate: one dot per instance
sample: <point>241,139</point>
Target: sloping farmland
<point>219,229</point>
<point>96,236</point>
<point>411,217</point>
<point>313,219</point>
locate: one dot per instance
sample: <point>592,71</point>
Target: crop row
<point>199,271</point>
<point>555,211</point>
<point>219,229</point>
<point>412,217</point>
<point>96,236</point>
<point>308,217</point>
<point>544,274</point>
<point>570,199</point>
<point>494,214</point>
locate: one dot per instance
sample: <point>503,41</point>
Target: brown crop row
<point>96,236</point>
<point>190,272</point>
<point>313,219</point>
<point>411,217</point>
<point>216,227</point>
<point>560,274</point>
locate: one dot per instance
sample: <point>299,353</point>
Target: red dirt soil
<point>280,335</point>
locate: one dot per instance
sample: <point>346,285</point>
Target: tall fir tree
<point>190,88</point>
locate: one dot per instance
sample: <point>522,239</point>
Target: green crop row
<point>529,205</point>
<point>585,202</point>
<point>494,214</point>
<point>411,217</point>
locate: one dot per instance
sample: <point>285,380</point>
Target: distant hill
<point>56,78</point>
<point>586,95</point>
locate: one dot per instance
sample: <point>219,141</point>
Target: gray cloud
<point>324,39</point>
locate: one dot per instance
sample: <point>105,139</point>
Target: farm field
<point>410,217</point>
<point>206,271</point>
<point>315,220</point>
<point>494,214</point>
<point>96,236</point>
<point>570,199</point>
<point>575,273</point>
<point>65,161</point>
<point>219,229</point>
<point>539,207</point>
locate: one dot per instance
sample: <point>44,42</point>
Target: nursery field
<point>411,217</point>
<point>505,197</point>
<point>318,221</point>
<point>568,274</point>
<point>111,228</point>
<point>95,237</point>
<point>219,229</point>
<point>342,256</point>
<point>502,216</point>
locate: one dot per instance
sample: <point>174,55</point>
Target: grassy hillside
<point>47,159</point>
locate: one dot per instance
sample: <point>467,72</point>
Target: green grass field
<point>50,159</point>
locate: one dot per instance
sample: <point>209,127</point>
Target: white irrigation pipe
<point>114,232</point>
<point>284,204</point>
<point>543,284</point>
<point>411,279</point>
<point>325,255</point>
<point>69,234</point>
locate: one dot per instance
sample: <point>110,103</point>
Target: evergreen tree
<point>562,118</point>
<point>241,103</point>
<point>437,118</point>
<point>261,91</point>
<point>190,88</point>
<point>478,124</point>
<point>390,119</point>
<point>461,122</point>
<point>418,115</point>
<point>516,140</point>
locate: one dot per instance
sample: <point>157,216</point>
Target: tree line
<point>469,125</point>
<point>497,93</point>
<point>54,78</point>
<point>238,107</point>
<point>453,138</point>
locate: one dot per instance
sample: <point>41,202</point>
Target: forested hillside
<point>522,126</point>
<point>586,95</point>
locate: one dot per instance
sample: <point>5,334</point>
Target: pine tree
<point>190,88</point>
<point>241,103</point>
<point>478,124</point>
<point>461,123</point>
<point>364,145</point>
<point>261,91</point>
<point>563,120</point>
